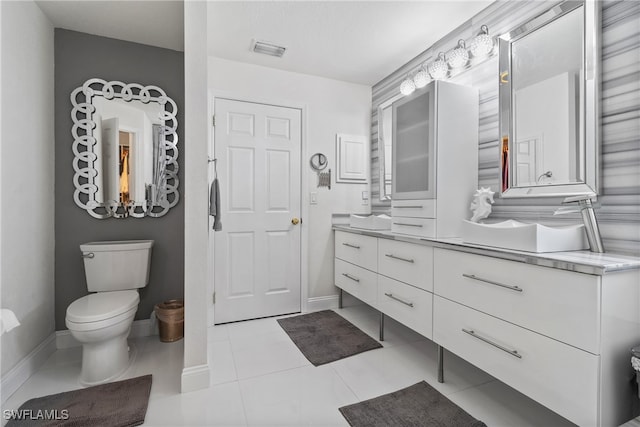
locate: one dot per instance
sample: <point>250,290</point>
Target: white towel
<point>8,320</point>
<point>214,205</point>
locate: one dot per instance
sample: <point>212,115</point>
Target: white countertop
<point>580,261</point>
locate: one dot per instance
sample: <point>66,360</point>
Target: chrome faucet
<point>585,207</point>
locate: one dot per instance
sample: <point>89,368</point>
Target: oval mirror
<point>125,147</point>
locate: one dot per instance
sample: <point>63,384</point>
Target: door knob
<point>295,221</point>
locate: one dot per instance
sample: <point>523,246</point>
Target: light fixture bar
<point>453,63</point>
<point>267,48</point>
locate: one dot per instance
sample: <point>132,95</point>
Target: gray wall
<point>79,57</point>
<point>619,216</point>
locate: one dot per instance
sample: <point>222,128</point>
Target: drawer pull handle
<point>351,246</point>
<point>491,282</point>
<point>393,297</point>
<point>399,258</point>
<point>348,276</point>
<point>408,225</point>
<point>514,353</point>
<point>408,207</point>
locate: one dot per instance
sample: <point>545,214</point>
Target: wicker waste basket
<point>170,316</point>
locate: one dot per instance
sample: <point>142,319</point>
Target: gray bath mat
<point>117,404</point>
<point>417,406</point>
<point>325,336</point>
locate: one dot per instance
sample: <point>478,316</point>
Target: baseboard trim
<point>322,303</point>
<point>195,378</point>
<point>26,367</point>
<point>139,329</point>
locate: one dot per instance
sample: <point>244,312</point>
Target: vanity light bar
<point>481,47</point>
<point>267,48</point>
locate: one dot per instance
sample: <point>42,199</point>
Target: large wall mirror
<point>385,145</point>
<point>549,103</point>
<point>125,147</point>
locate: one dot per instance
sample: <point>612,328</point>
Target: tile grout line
<point>237,380</point>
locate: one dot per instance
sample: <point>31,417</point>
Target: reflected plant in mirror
<point>125,147</point>
<point>549,103</point>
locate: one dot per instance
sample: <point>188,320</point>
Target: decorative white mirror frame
<point>85,157</point>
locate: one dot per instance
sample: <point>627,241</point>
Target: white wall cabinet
<point>560,337</point>
<point>435,159</point>
<point>353,158</point>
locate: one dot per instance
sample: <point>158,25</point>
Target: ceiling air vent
<point>267,48</point>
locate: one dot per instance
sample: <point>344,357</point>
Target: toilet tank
<point>117,265</point>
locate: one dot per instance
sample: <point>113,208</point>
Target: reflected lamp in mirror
<point>125,147</point>
<point>549,103</point>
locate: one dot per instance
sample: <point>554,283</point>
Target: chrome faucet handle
<point>580,198</point>
<point>585,207</point>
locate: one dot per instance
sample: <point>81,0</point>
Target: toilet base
<point>105,362</point>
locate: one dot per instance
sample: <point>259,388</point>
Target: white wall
<point>195,372</point>
<point>331,107</point>
<point>26,178</point>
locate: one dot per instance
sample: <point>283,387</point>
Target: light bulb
<point>438,69</point>
<point>459,56</point>
<point>407,86</point>
<point>421,78</point>
<point>482,44</point>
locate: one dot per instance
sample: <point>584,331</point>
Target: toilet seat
<point>101,324</point>
<point>94,310</point>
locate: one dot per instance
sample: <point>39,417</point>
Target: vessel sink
<point>526,237</point>
<point>370,222</point>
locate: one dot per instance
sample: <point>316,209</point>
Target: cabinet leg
<point>440,364</point>
<point>340,298</point>
<point>381,326</point>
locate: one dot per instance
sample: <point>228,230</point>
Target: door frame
<point>304,193</point>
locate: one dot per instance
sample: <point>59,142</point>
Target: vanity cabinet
<point>394,277</point>
<point>560,337</point>
<point>557,328</point>
<point>560,304</point>
<point>406,262</point>
<point>559,376</point>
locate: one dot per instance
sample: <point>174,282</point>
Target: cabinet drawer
<point>414,226</point>
<point>560,377</point>
<point>357,249</point>
<point>406,262</point>
<point>414,208</point>
<point>560,304</point>
<point>361,283</point>
<point>408,305</point>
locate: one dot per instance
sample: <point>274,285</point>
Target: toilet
<point>101,321</point>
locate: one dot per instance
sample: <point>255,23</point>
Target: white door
<point>257,252</point>
<point>528,159</point>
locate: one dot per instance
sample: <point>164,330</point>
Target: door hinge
<point>214,297</point>
<point>213,120</point>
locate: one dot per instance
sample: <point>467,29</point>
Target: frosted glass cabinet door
<point>414,146</point>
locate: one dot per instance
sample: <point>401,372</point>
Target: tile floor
<point>260,378</point>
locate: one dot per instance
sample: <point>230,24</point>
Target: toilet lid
<point>101,306</point>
